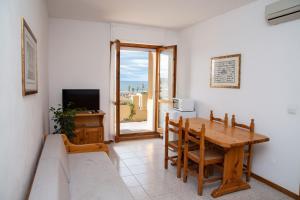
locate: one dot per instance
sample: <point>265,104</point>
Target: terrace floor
<point>135,127</point>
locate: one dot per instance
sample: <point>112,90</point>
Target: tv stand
<point>89,127</point>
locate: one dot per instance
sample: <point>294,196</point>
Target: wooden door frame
<point>117,102</point>
<point>119,137</point>
<point>158,50</point>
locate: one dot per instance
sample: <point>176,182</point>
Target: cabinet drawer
<point>92,135</point>
<point>79,136</point>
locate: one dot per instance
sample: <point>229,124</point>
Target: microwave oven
<point>184,105</point>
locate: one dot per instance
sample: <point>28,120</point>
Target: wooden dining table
<point>232,140</point>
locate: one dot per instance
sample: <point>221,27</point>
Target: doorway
<point>136,89</point>
<point>145,83</point>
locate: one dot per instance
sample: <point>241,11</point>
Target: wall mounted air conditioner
<point>283,11</point>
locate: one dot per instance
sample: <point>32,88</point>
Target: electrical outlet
<point>292,110</point>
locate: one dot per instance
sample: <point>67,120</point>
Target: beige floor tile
<point>139,193</point>
<point>141,165</point>
<point>130,181</point>
<point>132,161</point>
<point>124,171</point>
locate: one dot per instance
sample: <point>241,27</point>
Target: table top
<point>218,134</point>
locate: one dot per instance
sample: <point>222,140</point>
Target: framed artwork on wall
<point>29,60</point>
<point>225,71</point>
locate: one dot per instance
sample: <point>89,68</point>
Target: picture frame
<point>29,60</point>
<point>226,71</point>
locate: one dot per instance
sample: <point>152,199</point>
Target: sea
<point>137,86</point>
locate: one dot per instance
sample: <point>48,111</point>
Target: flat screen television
<point>86,99</point>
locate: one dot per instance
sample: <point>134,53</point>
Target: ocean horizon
<point>137,85</point>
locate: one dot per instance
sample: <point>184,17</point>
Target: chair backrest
<point>173,126</point>
<point>225,120</point>
<point>195,136</point>
<point>235,124</point>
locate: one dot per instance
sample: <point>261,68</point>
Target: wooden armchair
<point>224,121</point>
<point>202,157</point>
<point>74,148</point>
<point>249,150</point>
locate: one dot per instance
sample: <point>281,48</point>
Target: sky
<point>134,65</point>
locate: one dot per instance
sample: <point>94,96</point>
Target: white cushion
<point>93,176</point>
<point>54,148</point>
<point>50,182</point>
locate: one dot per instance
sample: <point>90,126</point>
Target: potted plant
<point>132,110</point>
<point>63,118</point>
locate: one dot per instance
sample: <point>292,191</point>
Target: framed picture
<point>225,71</point>
<point>29,60</point>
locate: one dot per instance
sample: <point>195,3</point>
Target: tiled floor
<point>140,164</point>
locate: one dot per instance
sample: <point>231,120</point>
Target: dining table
<point>232,140</point>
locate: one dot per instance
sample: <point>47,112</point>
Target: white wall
<point>269,83</point>
<point>79,54</point>
<point>143,34</point>
<point>23,120</point>
<point>79,59</point>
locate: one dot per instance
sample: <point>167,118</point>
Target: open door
<point>164,87</point>
<point>166,83</point>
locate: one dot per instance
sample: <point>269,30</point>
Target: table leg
<point>233,172</point>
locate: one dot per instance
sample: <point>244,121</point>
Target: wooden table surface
<point>232,140</point>
<point>218,134</point>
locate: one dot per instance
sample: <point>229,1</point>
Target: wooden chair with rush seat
<point>248,153</point>
<point>224,121</point>
<point>174,127</point>
<point>201,157</point>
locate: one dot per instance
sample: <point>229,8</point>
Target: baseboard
<point>276,186</point>
<point>138,136</point>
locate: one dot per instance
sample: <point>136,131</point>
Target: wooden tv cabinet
<point>89,128</point>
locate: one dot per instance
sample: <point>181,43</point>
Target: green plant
<point>132,110</point>
<point>64,120</point>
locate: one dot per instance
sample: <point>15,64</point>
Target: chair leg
<point>185,168</point>
<point>179,162</point>
<point>166,157</point>
<point>200,180</point>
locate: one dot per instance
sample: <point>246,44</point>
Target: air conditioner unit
<point>283,11</point>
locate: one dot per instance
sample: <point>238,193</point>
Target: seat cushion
<point>50,181</point>
<point>54,148</point>
<point>93,176</point>
<point>210,156</point>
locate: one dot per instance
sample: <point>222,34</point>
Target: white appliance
<point>183,104</point>
<point>282,11</point>
<point>175,114</point>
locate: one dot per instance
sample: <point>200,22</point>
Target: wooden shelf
<point>88,114</point>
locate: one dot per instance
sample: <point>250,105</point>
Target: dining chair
<point>174,127</point>
<point>224,121</point>
<point>202,157</point>
<point>248,153</point>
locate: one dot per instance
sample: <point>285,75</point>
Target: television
<point>86,99</point>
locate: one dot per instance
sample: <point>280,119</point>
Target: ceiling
<point>173,14</point>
